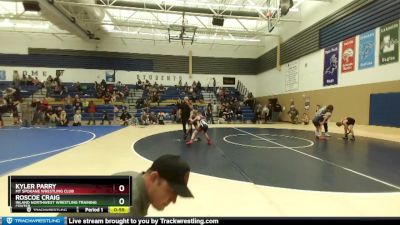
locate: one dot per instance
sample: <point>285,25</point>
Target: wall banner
<point>348,54</point>
<point>331,61</point>
<point>389,43</point>
<point>366,56</point>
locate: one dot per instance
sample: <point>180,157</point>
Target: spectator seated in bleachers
<point>153,118</point>
<point>38,112</point>
<point>62,120</point>
<point>48,111</point>
<point>161,117</point>
<point>77,118</point>
<point>78,87</point>
<point>53,120</point>
<point>125,92</point>
<point>77,103</point>
<point>119,84</point>
<point>107,98</point>
<point>125,117</point>
<point>139,84</point>
<point>144,118</point>
<point>139,103</point>
<point>37,82</point>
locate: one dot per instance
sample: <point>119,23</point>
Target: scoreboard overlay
<point>86,194</point>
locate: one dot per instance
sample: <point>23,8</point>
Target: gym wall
<point>351,101</point>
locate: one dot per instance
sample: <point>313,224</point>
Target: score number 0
<point>121,188</point>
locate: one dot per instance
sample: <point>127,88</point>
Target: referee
<point>185,108</point>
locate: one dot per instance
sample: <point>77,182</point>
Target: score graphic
<point>82,194</point>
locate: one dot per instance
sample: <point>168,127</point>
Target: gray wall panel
<point>172,64</point>
<point>374,15</point>
<point>307,41</point>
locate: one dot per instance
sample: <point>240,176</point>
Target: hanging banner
<point>292,76</point>
<point>348,54</point>
<point>366,56</point>
<point>389,43</point>
<point>331,60</point>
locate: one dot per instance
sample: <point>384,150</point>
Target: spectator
<point>265,113</point>
<point>214,84</point>
<point>26,114</point>
<point>276,112</point>
<point>145,118</point>
<point>63,119</point>
<point>305,119</point>
<point>161,118</point>
<point>115,111</point>
<point>125,117</point>
<point>105,117</point>
<point>3,109</point>
<point>91,111</point>
<point>209,113</point>
<point>239,113</point>
<point>293,114</point>
<point>258,113</point>
<point>77,118</point>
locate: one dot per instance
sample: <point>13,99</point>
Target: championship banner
<point>389,43</point>
<point>366,57</point>
<point>292,76</point>
<point>348,54</point>
<point>331,60</point>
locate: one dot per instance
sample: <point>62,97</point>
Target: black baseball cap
<point>175,171</point>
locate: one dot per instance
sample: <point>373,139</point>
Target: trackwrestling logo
<point>33,220</point>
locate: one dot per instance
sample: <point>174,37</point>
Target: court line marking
<point>264,139</point>
<point>322,160</point>
<point>256,139</point>
<point>56,150</point>
<point>191,171</point>
<point>266,187</point>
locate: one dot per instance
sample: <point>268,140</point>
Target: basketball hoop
<point>182,33</point>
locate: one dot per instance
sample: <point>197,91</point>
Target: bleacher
<point>3,86</point>
<point>171,92</point>
<point>232,92</point>
<point>166,104</point>
<point>158,109</point>
<point>70,89</point>
<point>85,115</point>
<point>168,100</point>
<point>247,113</point>
<point>26,91</point>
